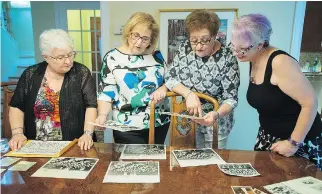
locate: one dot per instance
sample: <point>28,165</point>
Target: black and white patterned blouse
<point>216,75</point>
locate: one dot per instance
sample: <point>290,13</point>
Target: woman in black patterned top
<point>205,65</point>
<point>54,99</point>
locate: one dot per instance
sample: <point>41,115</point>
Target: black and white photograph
<point>118,147</point>
<point>280,188</point>
<point>238,169</point>
<point>144,152</point>
<point>197,157</point>
<point>305,185</point>
<point>42,147</point>
<point>242,190</point>
<point>257,191</point>
<point>132,172</point>
<point>111,124</point>
<point>67,167</point>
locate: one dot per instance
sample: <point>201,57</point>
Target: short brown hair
<point>140,18</point>
<point>200,19</point>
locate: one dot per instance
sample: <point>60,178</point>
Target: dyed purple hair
<point>252,28</point>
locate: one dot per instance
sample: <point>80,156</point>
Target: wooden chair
<point>182,130</point>
<point>8,93</point>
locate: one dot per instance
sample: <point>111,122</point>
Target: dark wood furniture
<point>312,37</point>
<point>8,93</point>
<point>182,130</point>
<point>203,179</point>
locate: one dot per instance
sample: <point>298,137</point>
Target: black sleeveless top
<point>278,112</point>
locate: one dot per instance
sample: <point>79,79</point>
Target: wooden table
<point>203,179</point>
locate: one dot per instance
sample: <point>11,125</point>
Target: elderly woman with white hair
<point>54,99</point>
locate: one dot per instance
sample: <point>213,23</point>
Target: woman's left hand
<point>85,142</point>
<point>284,148</point>
<point>158,95</point>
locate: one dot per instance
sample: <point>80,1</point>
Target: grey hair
<point>54,38</point>
<point>252,28</point>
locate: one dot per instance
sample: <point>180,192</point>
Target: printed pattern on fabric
<point>46,110</point>
<point>216,76</point>
<point>127,81</point>
<point>311,150</point>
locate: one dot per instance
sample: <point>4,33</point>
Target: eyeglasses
<point>61,59</point>
<point>136,36</point>
<point>204,41</point>
<point>240,52</point>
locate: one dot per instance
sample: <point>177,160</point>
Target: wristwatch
<point>295,143</point>
<point>88,132</point>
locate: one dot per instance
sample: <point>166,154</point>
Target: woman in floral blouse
<point>205,65</point>
<point>132,76</point>
<point>55,98</point>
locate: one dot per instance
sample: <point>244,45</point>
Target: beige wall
<point>43,18</point>
<point>281,15</point>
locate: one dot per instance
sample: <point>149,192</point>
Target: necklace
<point>56,78</point>
<point>252,77</point>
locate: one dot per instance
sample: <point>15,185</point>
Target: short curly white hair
<point>54,38</point>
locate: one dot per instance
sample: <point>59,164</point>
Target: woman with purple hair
<point>284,98</point>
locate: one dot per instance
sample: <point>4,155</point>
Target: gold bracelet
<point>16,134</point>
<point>17,128</point>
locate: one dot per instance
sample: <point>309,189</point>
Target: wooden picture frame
<point>173,32</point>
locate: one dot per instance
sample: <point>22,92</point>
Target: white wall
<point>22,30</point>
<point>43,18</point>
<point>281,15</point>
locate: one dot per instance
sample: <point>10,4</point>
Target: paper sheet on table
<point>22,166</point>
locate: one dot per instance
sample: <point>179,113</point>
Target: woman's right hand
<point>193,104</point>
<point>100,120</point>
<point>17,141</point>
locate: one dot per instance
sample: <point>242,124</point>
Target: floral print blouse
<point>46,110</point>
<point>128,81</point>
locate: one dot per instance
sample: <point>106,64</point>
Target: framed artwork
<point>173,32</point>
<point>38,148</point>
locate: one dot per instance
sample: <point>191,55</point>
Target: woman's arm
<point>16,119</point>
<point>290,79</point>
<point>16,111</point>
<point>173,83</point>
<point>230,82</point>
